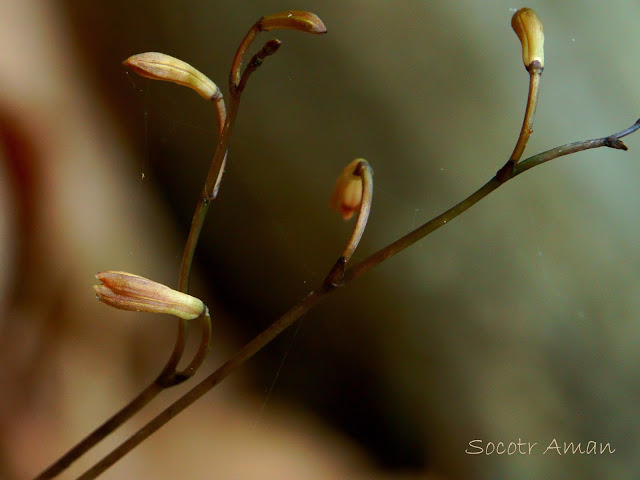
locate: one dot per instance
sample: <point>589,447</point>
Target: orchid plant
<point>352,196</point>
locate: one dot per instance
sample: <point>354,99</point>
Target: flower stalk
<point>529,30</point>
<point>318,295</point>
<point>353,191</point>
<point>131,292</point>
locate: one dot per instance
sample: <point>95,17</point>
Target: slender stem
<point>221,110</point>
<point>226,120</point>
<point>214,177</point>
<point>211,185</point>
<point>254,31</point>
<point>269,48</point>
<point>168,376</point>
<point>336,274</point>
<point>535,73</point>
<point>362,170</point>
<point>421,232</point>
<point>211,381</point>
<point>203,349</point>
<point>222,116</point>
<point>143,398</point>
<point>318,295</point>
<point>612,141</point>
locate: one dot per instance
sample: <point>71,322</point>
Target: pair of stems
<point>318,295</point>
<point>337,277</point>
<point>170,376</point>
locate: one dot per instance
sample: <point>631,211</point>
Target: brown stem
<point>169,376</point>
<point>316,296</point>
<point>363,169</point>
<point>101,432</point>
<point>612,141</point>
<point>244,354</point>
<point>535,74</point>
<point>234,76</point>
<point>269,48</point>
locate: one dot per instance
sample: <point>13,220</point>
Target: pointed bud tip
<point>293,20</point>
<point>529,29</point>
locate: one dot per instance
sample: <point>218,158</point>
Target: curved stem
<point>318,295</point>
<point>362,170</point>
<point>245,353</point>
<point>226,121</point>
<point>143,398</point>
<point>203,349</point>
<point>234,76</point>
<point>169,376</point>
<point>612,141</point>
<point>336,274</point>
<point>535,73</point>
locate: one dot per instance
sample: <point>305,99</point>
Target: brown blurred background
<point>518,321</point>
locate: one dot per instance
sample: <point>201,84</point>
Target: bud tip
<point>347,194</point>
<point>529,29</point>
<point>293,20</point>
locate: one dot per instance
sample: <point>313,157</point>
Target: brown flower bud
<point>131,292</point>
<point>293,20</point>
<point>347,194</point>
<point>529,29</point>
<point>159,66</point>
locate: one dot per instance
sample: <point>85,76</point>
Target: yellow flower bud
<point>293,20</point>
<point>528,28</point>
<point>126,291</point>
<point>347,194</point>
<point>159,66</point>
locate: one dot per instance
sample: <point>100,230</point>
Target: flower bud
<point>126,291</point>
<point>529,29</point>
<point>293,20</point>
<point>159,66</point>
<point>347,194</point>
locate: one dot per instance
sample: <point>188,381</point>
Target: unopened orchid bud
<point>159,66</point>
<point>347,194</point>
<point>293,20</point>
<point>528,28</point>
<point>126,291</point>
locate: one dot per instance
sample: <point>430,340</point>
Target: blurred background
<point>516,322</point>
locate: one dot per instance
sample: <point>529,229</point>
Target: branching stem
<point>318,295</point>
<point>170,376</point>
